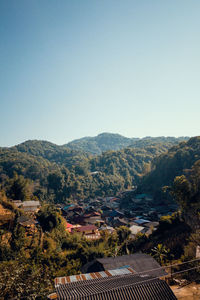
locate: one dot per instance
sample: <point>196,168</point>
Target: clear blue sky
<point>74,68</point>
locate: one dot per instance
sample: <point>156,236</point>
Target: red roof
<point>68,225</point>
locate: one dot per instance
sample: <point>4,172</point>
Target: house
<point>116,222</point>
<point>68,226</point>
<point>76,219</point>
<point>115,213</point>
<point>31,206</point>
<point>109,229</point>
<point>92,218</point>
<point>90,232</point>
<point>88,276</point>
<point>71,209</point>
<point>139,262</point>
<point>141,221</point>
<point>28,224</point>
<point>135,229</point>
<point>76,209</point>
<point>65,208</point>
<point>151,224</point>
<point>117,285</point>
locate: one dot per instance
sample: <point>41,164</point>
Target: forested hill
<point>168,165</point>
<point>100,143</point>
<point>109,141</point>
<point>60,173</point>
<point>58,154</point>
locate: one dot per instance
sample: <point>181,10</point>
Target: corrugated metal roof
<point>30,203</point>
<point>136,229</point>
<point>139,262</point>
<point>119,287</point>
<point>141,221</point>
<point>95,275</point>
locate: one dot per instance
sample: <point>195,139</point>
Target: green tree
<point>20,188</point>
<point>160,253</point>
<point>49,217</point>
<point>123,233</point>
<point>181,190</point>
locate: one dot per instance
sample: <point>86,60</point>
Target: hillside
<point>60,173</point>
<point>52,152</point>
<point>169,165</point>
<point>100,143</point>
<point>109,141</point>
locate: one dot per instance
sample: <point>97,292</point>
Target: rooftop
<point>91,276</point>
<point>139,262</point>
<point>86,228</point>
<point>119,287</point>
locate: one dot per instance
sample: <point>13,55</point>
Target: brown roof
<point>92,214</point>
<point>86,228</point>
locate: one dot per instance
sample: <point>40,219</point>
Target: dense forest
<point>165,167</point>
<point>60,173</point>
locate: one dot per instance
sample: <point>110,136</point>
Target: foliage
<point>56,173</point>
<point>167,166</point>
<point>28,265</point>
<point>109,141</point>
<point>21,280</point>
<point>123,233</point>
<point>49,218</point>
<point>161,253</point>
<point>19,188</point>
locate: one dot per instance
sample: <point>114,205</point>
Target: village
<point>90,217</point>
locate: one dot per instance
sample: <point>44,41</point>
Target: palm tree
<point>160,253</point>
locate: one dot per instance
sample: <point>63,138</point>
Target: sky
<point>75,68</point>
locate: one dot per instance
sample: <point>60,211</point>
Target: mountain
<point>60,172</point>
<point>109,141</point>
<point>72,170</point>
<point>50,151</point>
<point>100,143</point>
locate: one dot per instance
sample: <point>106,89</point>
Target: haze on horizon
<point>71,69</point>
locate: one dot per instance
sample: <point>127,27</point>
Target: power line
<point>169,266</point>
<point>158,277</point>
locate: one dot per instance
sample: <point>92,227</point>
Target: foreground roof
<point>89,276</point>
<point>119,287</point>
